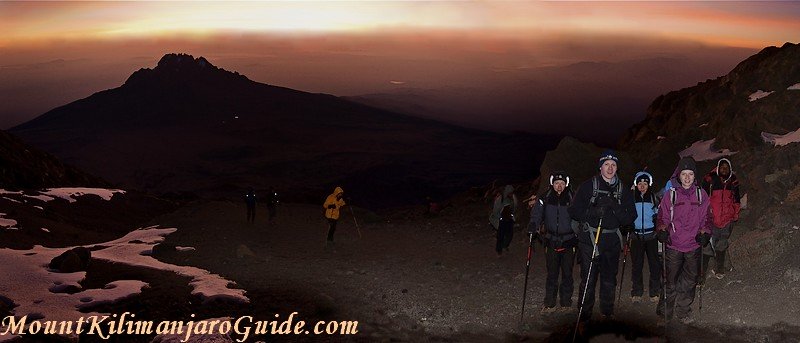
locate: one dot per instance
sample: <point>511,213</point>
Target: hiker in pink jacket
<point>684,225</point>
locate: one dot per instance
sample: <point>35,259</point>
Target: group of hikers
<point>678,229</point>
<point>271,200</point>
<point>332,205</point>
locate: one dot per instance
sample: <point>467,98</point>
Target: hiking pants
<point>559,262</point>
<point>720,239</point>
<point>682,271</point>
<point>251,213</point>
<point>505,232</point>
<point>605,265</point>
<point>331,228</point>
<point>642,245</point>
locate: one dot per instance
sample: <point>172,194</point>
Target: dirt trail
<point>430,279</point>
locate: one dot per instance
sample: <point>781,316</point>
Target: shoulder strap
<point>594,190</point>
<point>699,196</point>
<point>618,193</point>
<point>672,207</point>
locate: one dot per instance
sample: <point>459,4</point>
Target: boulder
<point>73,260</point>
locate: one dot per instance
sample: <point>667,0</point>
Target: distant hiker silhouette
<point>502,218</point>
<point>272,204</point>
<point>250,200</point>
<point>332,204</point>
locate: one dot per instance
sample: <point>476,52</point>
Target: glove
<point>703,238</point>
<point>663,236</point>
<point>332,206</point>
<point>625,229</point>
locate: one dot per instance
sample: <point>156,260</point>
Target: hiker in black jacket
<point>550,219</point>
<point>602,196</point>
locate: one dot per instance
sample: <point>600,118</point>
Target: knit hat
<point>643,176</point>
<point>607,155</point>
<point>687,163</point>
<point>559,175</point>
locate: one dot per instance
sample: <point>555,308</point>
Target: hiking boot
<point>607,318</point>
<point>636,299</point>
<point>565,309</point>
<point>687,320</point>
<point>655,299</point>
<point>719,276</point>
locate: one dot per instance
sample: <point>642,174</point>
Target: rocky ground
<point>411,277</point>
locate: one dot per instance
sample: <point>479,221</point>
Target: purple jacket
<point>690,217</point>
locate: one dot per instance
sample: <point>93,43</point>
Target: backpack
<point>617,193</point>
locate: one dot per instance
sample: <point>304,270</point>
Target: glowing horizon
<point>740,24</point>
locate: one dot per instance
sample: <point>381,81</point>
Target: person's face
<point>642,186</point>
<point>724,169</point>
<point>559,186</point>
<point>339,196</point>
<point>687,178</point>
<point>608,169</point>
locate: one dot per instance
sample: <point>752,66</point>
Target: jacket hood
<point>716,170</point>
<point>338,190</point>
<point>684,164</point>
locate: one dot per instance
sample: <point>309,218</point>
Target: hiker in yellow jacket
<point>332,205</point>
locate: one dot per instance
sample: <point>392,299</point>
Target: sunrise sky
<point>52,53</point>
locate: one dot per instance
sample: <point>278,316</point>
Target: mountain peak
<point>182,62</point>
<point>181,68</point>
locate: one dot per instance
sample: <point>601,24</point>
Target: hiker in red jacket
<point>723,187</point>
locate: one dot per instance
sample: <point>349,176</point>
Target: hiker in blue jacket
<point>643,240</point>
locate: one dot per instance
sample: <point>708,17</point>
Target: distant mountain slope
<point>187,125</point>
<point>24,167</point>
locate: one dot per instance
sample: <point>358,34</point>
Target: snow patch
<point>33,284</point>
<point>206,285</point>
<point>7,223</point>
<point>3,191</point>
<point>703,151</point>
<point>185,248</point>
<point>40,197</point>
<point>12,200</point>
<point>781,140</point>
<point>794,87</point>
<point>44,229</point>
<point>703,124</point>
<point>39,207</point>
<point>661,137</point>
<point>70,193</point>
<point>758,95</point>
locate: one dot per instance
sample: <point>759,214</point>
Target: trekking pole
<point>625,250</point>
<point>527,270</point>
<point>700,282</point>
<point>355,221</point>
<point>664,282</point>
<point>588,276</point>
